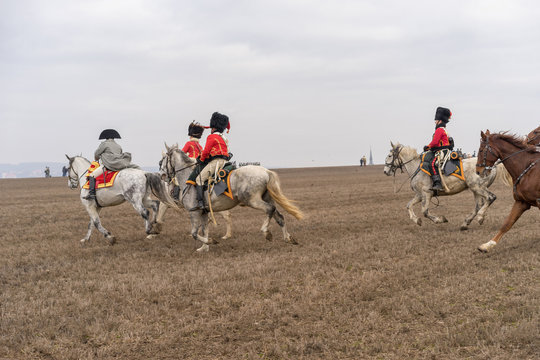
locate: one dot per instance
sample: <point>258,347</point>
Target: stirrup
<point>90,197</point>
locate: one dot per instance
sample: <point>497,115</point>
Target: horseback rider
<point>192,147</point>
<point>111,156</point>
<point>439,141</point>
<point>213,157</point>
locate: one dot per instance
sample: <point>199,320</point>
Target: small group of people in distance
<point>212,157</point>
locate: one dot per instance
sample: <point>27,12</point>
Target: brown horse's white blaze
<point>522,161</point>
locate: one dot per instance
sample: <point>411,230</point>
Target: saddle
<point>220,182</point>
<point>449,163</point>
<point>102,181</point>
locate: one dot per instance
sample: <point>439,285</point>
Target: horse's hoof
<point>112,240</point>
<point>213,241</point>
<point>444,219</point>
<point>156,227</point>
<point>464,227</point>
<point>418,222</point>
<point>480,220</point>
<point>226,237</point>
<point>151,236</point>
<point>292,240</point>
<point>203,248</point>
<point>482,249</point>
<point>487,246</point>
<point>268,236</point>
<point>83,242</point>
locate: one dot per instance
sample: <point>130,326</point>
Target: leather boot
<point>92,189</point>
<point>176,192</point>
<point>437,185</point>
<point>200,197</point>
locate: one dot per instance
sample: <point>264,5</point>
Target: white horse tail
<point>274,189</point>
<point>504,175</point>
<point>159,190</point>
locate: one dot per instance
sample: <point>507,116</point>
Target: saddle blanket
<point>452,167</point>
<point>102,181</point>
<point>223,186</point>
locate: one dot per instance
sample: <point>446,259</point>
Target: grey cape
<point>112,157</point>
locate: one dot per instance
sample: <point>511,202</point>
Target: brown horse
<point>522,161</point>
<point>534,137</point>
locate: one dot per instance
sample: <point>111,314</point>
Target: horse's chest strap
<point>524,172</point>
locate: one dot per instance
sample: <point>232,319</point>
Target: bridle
<point>531,141</point>
<point>487,147</point>
<point>395,156</point>
<point>74,181</point>
<point>169,168</point>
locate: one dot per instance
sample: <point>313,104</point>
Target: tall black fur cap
<point>219,121</point>
<point>109,134</point>
<point>195,130</point>
<point>443,114</point>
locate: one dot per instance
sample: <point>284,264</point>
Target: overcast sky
<point>304,83</point>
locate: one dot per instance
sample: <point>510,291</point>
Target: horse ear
<point>167,146</point>
<point>391,144</point>
<point>487,132</point>
<point>70,159</point>
<point>482,135</point>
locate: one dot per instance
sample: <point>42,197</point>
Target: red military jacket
<point>215,145</point>
<point>440,138</point>
<point>192,148</point>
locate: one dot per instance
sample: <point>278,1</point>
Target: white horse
<point>405,157</point>
<point>133,185</point>
<point>253,186</point>
<point>163,207</point>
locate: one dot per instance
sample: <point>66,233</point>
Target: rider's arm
<point>210,141</point>
<point>100,150</point>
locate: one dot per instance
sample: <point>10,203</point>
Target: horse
<point>133,185</point>
<point>405,157</point>
<point>533,138</point>
<point>250,185</point>
<point>163,207</point>
<point>502,148</point>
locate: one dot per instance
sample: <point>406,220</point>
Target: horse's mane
<point>516,140</point>
<point>184,156</point>
<point>408,151</point>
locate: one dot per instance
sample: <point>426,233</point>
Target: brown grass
<point>364,283</point>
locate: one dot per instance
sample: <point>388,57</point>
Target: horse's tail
<point>158,189</point>
<point>504,175</point>
<point>274,189</point>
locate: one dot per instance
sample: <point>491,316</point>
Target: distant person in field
<point>213,157</point>
<point>47,172</point>
<point>192,148</point>
<point>439,141</point>
<point>363,161</point>
<point>64,170</point>
<point>111,157</point>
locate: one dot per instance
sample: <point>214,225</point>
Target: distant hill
<point>37,169</point>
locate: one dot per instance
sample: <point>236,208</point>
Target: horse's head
<point>393,161</point>
<point>73,177</point>
<point>487,156</point>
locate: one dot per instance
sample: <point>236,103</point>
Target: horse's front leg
<point>199,221</point>
<point>228,223</point>
<point>489,198</point>
<point>93,211</point>
<point>517,210</point>
<point>478,202</point>
<point>415,200</point>
<point>428,194</point>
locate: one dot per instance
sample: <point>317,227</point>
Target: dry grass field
<point>364,282</point>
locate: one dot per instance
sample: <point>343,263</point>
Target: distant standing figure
<point>363,161</point>
<point>64,171</point>
<point>47,172</point>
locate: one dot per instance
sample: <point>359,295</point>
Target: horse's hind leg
<point>489,198</point>
<point>478,202</point>
<point>152,226</point>
<point>271,211</point>
<point>269,208</point>
<point>199,221</point>
<point>281,222</point>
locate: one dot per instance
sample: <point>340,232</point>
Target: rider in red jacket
<point>439,141</point>
<point>192,147</point>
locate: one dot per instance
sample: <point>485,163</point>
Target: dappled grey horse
<point>253,186</point>
<point>406,157</point>
<point>132,185</point>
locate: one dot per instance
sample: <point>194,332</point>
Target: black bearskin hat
<point>443,114</point>
<point>109,134</point>
<point>195,130</point>
<point>219,121</point>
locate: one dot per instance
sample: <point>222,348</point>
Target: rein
<point>401,164</point>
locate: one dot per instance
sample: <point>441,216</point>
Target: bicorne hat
<point>109,134</point>
<point>195,130</point>
<point>219,122</point>
<point>443,114</point>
